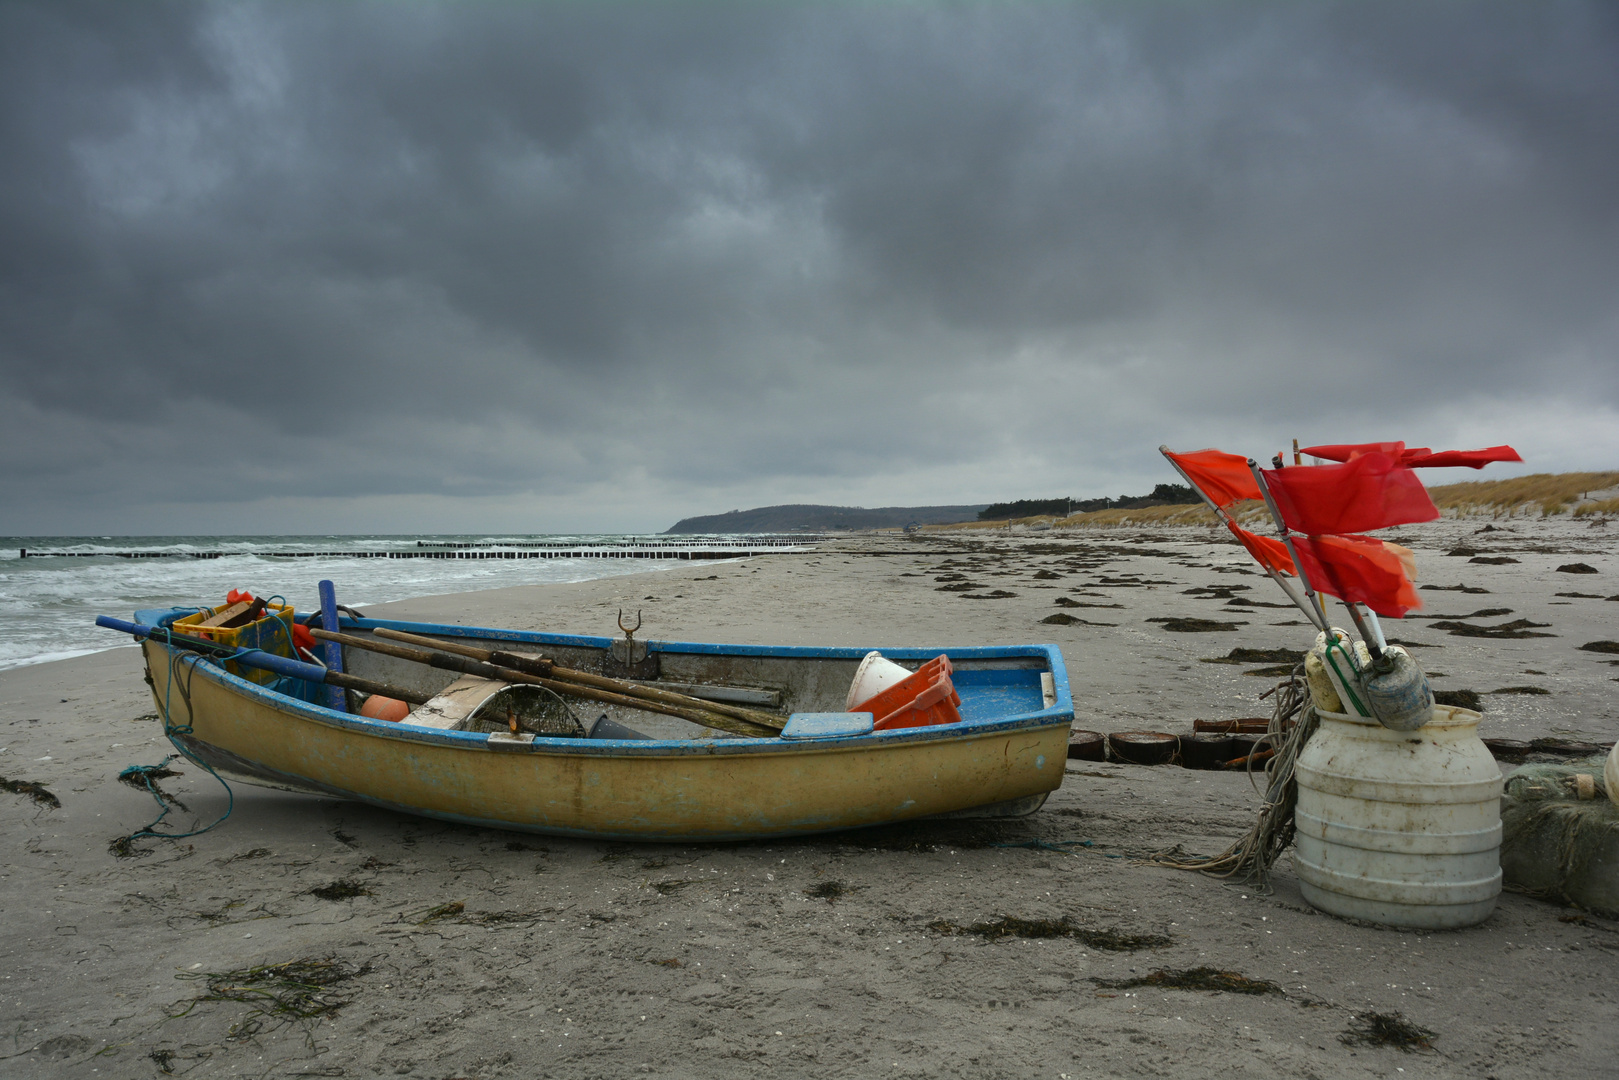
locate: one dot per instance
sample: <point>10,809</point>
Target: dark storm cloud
<point>611,264</point>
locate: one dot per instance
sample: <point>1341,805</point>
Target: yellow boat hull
<point>712,790</point>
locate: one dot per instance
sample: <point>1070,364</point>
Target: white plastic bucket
<point>1401,828</point>
<point>875,674</point>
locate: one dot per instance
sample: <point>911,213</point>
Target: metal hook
<point>629,631</point>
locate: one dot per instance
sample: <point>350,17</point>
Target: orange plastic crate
<point>923,699</point>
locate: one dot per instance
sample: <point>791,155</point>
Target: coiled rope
<point>1249,860</point>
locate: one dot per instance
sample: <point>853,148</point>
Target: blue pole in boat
<point>257,658</point>
<point>331,651</point>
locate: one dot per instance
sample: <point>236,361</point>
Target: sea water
<point>48,606</point>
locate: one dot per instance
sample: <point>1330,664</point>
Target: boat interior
<point>993,684</point>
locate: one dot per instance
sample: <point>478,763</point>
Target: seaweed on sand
<point>1387,1029</point>
<point>1257,656</point>
<point>146,777</point>
<point>343,889</point>
<point>1195,626</point>
<point>1062,618</point>
<point>35,791</point>
<point>442,911</point>
<point>1460,699</point>
<point>297,990</point>
<point>1013,926</point>
<point>830,891</point>
<point>457,910</point>
<point>1517,628</point>
<point>1198,978</point>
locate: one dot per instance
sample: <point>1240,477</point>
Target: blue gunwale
<point>1061,712</point>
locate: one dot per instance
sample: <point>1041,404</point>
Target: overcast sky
<point>357,267</point>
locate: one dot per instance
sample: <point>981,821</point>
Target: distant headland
<point>800,517</point>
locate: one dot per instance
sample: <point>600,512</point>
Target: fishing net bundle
<point>1249,860</point>
<point>535,709</point>
<point>1560,836</point>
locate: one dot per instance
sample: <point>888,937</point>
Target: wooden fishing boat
<point>683,783</point>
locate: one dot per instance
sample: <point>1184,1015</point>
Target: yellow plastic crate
<point>268,633</point>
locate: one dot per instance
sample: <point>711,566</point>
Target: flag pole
<point>1315,620</point>
<point>1377,628</point>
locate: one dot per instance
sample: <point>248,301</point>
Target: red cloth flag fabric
<point>1472,459</point>
<point>1346,451</point>
<point>1224,478</point>
<point>1361,569</point>
<point>1415,457</point>
<point>1265,550</point>
<point>1371,491</point>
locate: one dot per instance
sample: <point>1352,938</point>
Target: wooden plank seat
<point>451,707</point>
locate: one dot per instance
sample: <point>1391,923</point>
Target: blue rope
<point>170,730</point>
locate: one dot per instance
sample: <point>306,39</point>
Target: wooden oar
<point>447,661</point>
<point>549,669</point>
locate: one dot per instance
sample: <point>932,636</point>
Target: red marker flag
<point>1415,457</point>
<point>1472,459</point>
<point>1369,492</point>
<point>1266,551</point>
<point>1346,451</point>
<point>1223,477</point>
<point>1361,569</point>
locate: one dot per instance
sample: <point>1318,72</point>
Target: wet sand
<point>470,953</point>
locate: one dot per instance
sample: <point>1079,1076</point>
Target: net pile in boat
<point>538,712</point>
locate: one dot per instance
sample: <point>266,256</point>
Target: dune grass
<point>1550,493</point>
<point>1543,493</point>
<point>1600,506</point>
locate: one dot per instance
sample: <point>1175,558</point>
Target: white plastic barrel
<point>1401,828</point>
<point>875,674</point>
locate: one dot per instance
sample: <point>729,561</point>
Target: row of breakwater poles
<point>550,553</point>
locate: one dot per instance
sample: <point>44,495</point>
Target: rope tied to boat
<point>144,773</point>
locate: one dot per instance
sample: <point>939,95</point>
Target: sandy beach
<point>457,952</point>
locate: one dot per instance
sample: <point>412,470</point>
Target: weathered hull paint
<point>660,790</point>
